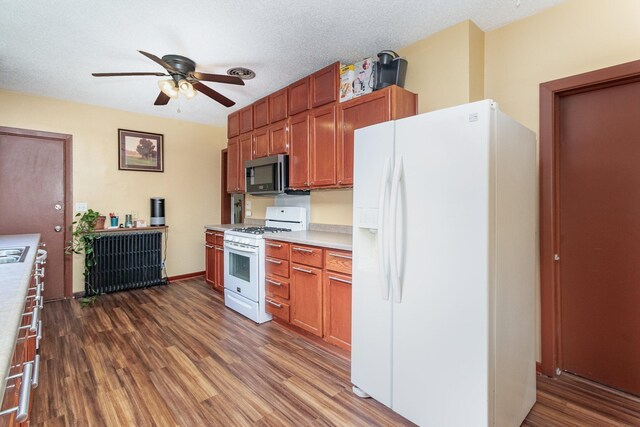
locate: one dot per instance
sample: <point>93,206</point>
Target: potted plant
<point>82,238</point>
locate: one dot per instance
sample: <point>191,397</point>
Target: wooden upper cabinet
<point>261,113</point>
<point>324,85</point>
<point>278,138</point>
<point>233,125</point>
<point>233,162</point>
<point>299,99</point>
<point>278,105</point>
<point>246,153</point>
<point>246,119</point>
<point>390,103</point>
<point>261,143</point>
<point>322,157</point>
<point>299,140</point>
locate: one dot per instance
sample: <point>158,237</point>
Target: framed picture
<point>140,151</point>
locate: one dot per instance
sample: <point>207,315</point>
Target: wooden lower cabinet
<point>337,309</point>
<point>306,298</point>
<point>214,260</point>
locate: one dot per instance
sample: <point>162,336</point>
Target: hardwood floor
<point>173,355</point>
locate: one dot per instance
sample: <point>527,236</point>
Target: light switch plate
<point>81,207</point>
<point>247,213</point>
<point>247,205</point>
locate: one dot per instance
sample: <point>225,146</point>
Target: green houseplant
<point>83,236</point>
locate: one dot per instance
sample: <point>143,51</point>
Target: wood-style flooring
<point>173,355</point>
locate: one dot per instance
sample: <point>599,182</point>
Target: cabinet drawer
<point>219,239</point>
<point>277,249</point>
<point>210,237</point>
<point>307,255</point>
<point>277,266</point>
<point>276,287</point>
<point>277,308</point>
<point>339,261</point>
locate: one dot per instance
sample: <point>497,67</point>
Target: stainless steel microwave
<point>267,175</point>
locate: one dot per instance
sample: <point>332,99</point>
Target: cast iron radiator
<point>126,260</point>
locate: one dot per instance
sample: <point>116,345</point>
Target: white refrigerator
<point>444,266</point>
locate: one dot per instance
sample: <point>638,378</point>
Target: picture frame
<point>140,151</point>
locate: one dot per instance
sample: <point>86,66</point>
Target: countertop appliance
<point>244,261</point>
<point>444,251</point>
<point>267,175</point>
<point>390,70</point>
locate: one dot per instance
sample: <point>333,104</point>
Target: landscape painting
<point>140,151</point>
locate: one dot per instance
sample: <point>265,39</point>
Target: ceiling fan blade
<point>154,58</point>
<point>201,87</point>
<point>219,78</point>
<point>126,74</point>
<point>162,99</point>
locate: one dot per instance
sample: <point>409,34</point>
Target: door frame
<point>551,94</point>
<point>67,142</point>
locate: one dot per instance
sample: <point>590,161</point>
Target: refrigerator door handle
<point>395,193</point>
<point>383,256</point>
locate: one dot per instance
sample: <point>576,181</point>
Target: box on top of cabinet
<point>346,82</point>
<point>363,77</point>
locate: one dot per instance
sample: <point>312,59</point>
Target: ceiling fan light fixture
<point>186,89</point>
<point>168,87</point>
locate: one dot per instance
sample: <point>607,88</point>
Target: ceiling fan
<point>184,79</point>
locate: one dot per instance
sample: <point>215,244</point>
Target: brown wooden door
<point>365,111</point>
<point>306,298</point>
<point>219,261</point>
<point>599,179</point>
<point>278,105</point>
<point>210,264</point>
<point>299,96</point>
<point>322,158</point>
<point>246,119</point>
<point>261,143</point>
<point>324,85</point>
<point>246,152</point>
<point>299,139</point>
<point>278,138</point>
<point>233,162</point>
<point>337,309</point>
<point>32,200</point>
<point>261,113</point>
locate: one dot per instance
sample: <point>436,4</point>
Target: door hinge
<point>556,257</point>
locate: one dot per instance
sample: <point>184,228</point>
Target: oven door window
<point>240,266</point>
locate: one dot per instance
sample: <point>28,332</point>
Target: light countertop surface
<point>14,284</point>
<point>325,239</point>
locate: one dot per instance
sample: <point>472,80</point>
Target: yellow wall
<point>190,183</point>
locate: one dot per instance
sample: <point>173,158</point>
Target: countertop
<point>14,283</point>
<point>325,239</point>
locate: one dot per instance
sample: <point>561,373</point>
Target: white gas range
<point>244,261</point>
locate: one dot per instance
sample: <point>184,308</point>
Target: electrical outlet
<point>81,207</point>
<point>247,213</point>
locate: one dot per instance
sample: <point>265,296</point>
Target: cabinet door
<point>261,143</point>
<point>360,112</point>
<point>322,157</point>
<point>233,125</point>
<point>219,283</point>
<point>299,140</point>
<point>210,264</point>
<point>261,113</point>
<point>324,85</point>
<point>246,153</point>
<point>337,309</point>
<point>278,138</point>
<point>299,96</point>
<point>233,162</point>
<point>278,105</point>
<point>246,119</point>
<point>306,298</point>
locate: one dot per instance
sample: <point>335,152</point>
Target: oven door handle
<point>240,249</point>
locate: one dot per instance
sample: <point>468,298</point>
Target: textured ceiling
<point>50,48</point>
